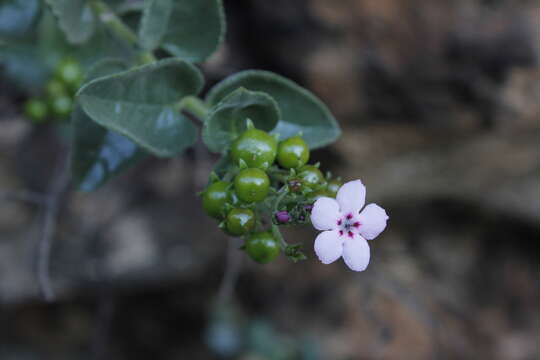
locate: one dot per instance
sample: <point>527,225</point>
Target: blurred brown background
<point>439,103</point>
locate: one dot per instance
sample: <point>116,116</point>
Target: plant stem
<point>147,58</point>
<point>229,175</point>
<point>282,193</point>
<point>277,234</point>
<point>279,175</point>
<point>195,106</point>
<point>117,26</point>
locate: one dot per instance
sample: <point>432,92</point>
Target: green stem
<point>229,175</point>
<point>277,234</point>
<point>279,175</point>
<point>147,58</point>
<point>117,26</point>
<point>281,194</point>
<point>195,106</point>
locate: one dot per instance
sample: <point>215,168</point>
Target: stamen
<point>350,234</point>
<point>356,224</point>
<point>340,232</point>
<point>349,217</point>
<point>339,222</point>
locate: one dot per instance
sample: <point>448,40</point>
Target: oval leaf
<point>139,104</point>
<point>154,23</point>
<point>53,45</point>
<point>98,153</point>
<point>75,18</point>
<point>197,29</point>
<point>228,118</point>
<point>301,111</point>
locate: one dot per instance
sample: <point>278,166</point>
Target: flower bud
<point>283,217</point>
<point>295,185</point>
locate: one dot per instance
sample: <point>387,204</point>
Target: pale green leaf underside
<point>98,153</point>
<point>227,119</point>
<point>139,104</point>
<point>195,29</point>
<point>154,23</point>
<point>75,18</point>
<point>301,111</point>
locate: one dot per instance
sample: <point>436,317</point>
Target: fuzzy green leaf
<point>227,119</point>
<point>301,111</point>
<point>195,29</point>
<point>154,23</point>
<point>139,104</point>
<point>53,45</point>
<point>75,18</point>
<point>99,154</point>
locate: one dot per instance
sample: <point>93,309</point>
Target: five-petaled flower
<point>346,229</point>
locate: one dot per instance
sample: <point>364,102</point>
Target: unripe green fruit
<point>256,148</point>
<point>311,177</point>
<point>36,110</point>
<point>69,71</point>
<point>332,187</point>
<point>215,197</point>
<point>293,153</point>
<point>55,88</point>
<point>251,185</point>
<point>61,106</point>
<point>240,221</point>
<point>262,247</point>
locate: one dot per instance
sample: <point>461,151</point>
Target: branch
<point>232,270</point>
<point>118,27</point>
<point>50,211</point>
<point>23,195</point>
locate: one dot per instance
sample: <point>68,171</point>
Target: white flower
<point>346,229</point>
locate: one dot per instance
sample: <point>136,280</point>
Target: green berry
<point>256,148</point>
<point>214,199</point>
<point>252,185</point>
<point>240,221</point>
<point>55,88</point>
<point>61,106</point>
<point>293,153</point>
<point>262,247</point>
<point>311,177</point>
<point>69,71</point>
<point>332,187</point>
<point>36,110</point>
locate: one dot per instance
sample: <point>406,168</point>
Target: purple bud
<point>283,217</point>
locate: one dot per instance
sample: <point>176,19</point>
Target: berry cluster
<point>57,100</point>
<point>266,184</point>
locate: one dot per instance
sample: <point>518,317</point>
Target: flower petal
<point>325,214</point>
<point>372,221</point>
<point>356,253</point>
<point>329,246</point>
<point>351,197</point>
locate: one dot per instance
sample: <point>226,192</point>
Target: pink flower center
<point>348,225</point>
